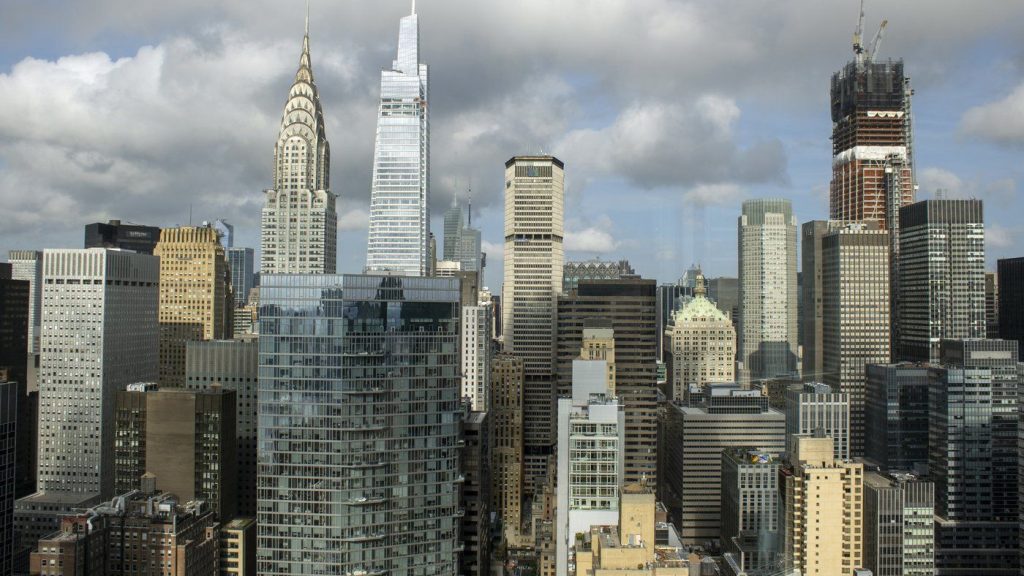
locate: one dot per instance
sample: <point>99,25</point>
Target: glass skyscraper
<point>358,427</point>
<point>399,236</point>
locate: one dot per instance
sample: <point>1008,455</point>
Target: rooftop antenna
<point>307,17</point>
<point>413,7</point>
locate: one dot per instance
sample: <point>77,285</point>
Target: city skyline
<point>764,123</point>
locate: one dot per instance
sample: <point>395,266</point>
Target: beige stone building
<point>703,344</point>
<point>238,548</point>
<point>195,295</point>
<point>507,449</point>
<point>824,502</point>
<point>628,549</point>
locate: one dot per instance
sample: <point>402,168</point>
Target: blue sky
<point>668,114</point>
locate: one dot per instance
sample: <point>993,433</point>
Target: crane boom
<point>858,48</point>
<point>877,41</point>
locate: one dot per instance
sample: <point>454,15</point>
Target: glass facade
<point>358,427</point>
<point>399,236</point>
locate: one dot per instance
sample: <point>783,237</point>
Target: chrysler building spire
<point>299,228</point>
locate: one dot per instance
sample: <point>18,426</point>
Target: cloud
<point>660,144</point>
<point>933,180</point>
<point>997,236</point>
<point>355,219</point>
<point>714,195</point>
<point>1001,121</point>
<point>596,238</point>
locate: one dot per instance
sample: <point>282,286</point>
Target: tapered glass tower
<point>399,201</point>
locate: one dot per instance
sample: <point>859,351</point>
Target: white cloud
<point>354,219</point>
<point>997,236</point>
<point>714,195</point>
<point>596,238</point>
<point>1001,121</point>
<point>932,180</point>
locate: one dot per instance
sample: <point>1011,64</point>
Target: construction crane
<point>858,49</point>
<point>877,41</point>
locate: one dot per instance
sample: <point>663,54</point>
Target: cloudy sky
<point>667,113</point>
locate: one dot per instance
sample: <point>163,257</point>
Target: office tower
<point>823,503</point>
<point>896,413</point>
<point>238,547</point>
<point>507,383</point>
<point>725,293</point>
<point>454,222</point>
<point>28,265</point>
<point>240,264</point>
<point>9,397</point>
<point>299,225</point>
<point>225,232</point>
<point>134,534</point>
<point>813,407</point>
<point>941,276</point>
<point>232,365</point>
<point>195,295</point>
<point>185,440</point>
<point>1011,299</point>
<point>122,235</point>
<point>534,198</point>
<point>669,298</point>
<point>991,305</point>
<point>872,139</point>
<point>475,496</point>
<point>855,308</point>
<point>973,534</point>
<point>899,529</point>
<point>627,306</point>
<point>591,437</point>
<point>476,354</point>
<point>99,334</point>
<point>695,437</point>
<point>358,428</point>
<point>768,290</point>
<point>399,239</point>
<point>811,298</point>
<point>751,517</point>
<point>703,345</point>
<point>573,272</point>
<point>15,327</point>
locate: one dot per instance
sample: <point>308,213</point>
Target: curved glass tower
<point>399,202</point>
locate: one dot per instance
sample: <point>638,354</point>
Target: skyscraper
<point>855,314</point>
<point>9,399</point>
<point>823,499</point>
<point>1011,300</point>
<point>28,265</point>
<point>507,453</point>
<point>991,305</point>
<point>768,290</point>
<point>751,521</point>
<point>811,303</point>
<point>703,345</point>
<point>240,262</point>
<point>99,334</point>
<point>232,365</point>
<point>627,306</point>
<point>899,525</point>
<point>941,276</point>
<point>896,413</point>
<point>695,437</point>
<point>534,199</point>
<point>872,140</point>
<point>195,294</point>
<point>299,224</point>
<point>476,354</point>
<point>399,237</point>
<point>122,235</point>
<point>358,431</point>
<point>573,272</point>
<point>814,408</point>
<point>185,439</point>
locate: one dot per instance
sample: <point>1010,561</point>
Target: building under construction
<point>872,143</point>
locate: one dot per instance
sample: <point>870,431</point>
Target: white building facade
<point>476,354</point>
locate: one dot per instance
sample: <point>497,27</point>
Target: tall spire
<point>413,8</point>
<point>307,18</point>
